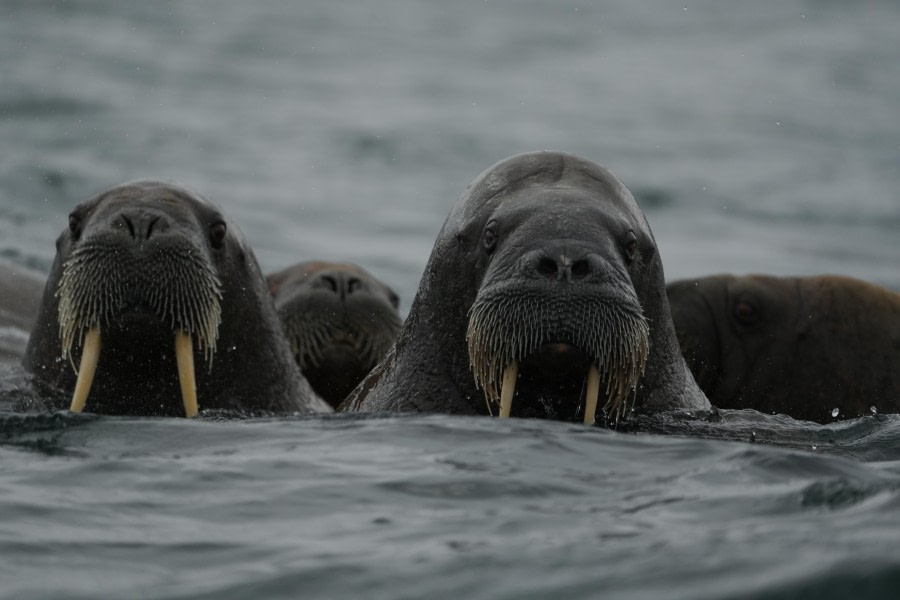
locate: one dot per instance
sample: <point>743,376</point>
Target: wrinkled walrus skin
<point>800,346</point>
<point>146,272</point>
<point>545,272</point>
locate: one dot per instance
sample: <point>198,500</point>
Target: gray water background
<point>757,136</point>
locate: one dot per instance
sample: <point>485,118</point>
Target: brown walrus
<point>543,296</point>
<point>813,348</point>
<point>148,279</point>
<point>339,320</point>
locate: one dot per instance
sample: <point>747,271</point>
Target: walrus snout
<point>337,282</point>
<point>562,265</point>
<point>140,224</point>
<point>550,347</point>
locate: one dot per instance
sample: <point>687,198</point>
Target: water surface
<point>758,137</point>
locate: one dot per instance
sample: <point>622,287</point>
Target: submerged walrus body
<point>339,320</point>
<point>150,280</point>
<point>20,296</point>
<point>813,348</point>
<point>544,297</point>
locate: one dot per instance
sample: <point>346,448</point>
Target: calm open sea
<point>758,137</point>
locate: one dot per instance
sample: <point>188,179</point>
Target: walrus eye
<point>630,246</point>
<point>75,225</point>
<point>217,233</point>
<point>746,312</point>
<point>490,238</point>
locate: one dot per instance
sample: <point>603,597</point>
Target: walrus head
<point>146,276</point>
<point>339,320</point>
<point>815,348</point>
<point>543,297</point>
<point>555,316</point>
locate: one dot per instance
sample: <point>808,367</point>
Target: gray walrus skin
<point>800,346</point>
<point>546,263</point>
<point>20,296</point>
<point>339,320</point>
<point>150,265</point>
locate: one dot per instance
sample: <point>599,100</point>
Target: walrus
<point>150,279</point>
<point>813,348</point>
<point>544,297</point>
<point>339,320</point>
<point>20,296</point>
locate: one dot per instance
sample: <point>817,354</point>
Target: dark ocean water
<point>439,507</point>
<point>757,136</point>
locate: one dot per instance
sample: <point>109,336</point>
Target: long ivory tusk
<point>90,356</point>
<point>510,374</point>
<point>591,395</point>
<point>184,356</point>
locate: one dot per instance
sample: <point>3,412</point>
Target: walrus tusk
<point>184,356</point>
<point>593,392</point>
<point>508,388</point>
<point>90,356</point>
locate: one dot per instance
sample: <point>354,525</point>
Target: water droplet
<point>814,447</point>
<point>835,412</point>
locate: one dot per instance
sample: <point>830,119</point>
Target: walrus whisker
<point>90,356</point>
<point>505,328</point>
<point>310,337</point>
<point>93,287</point>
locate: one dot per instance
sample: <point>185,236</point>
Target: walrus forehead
<point>174,200</point>
<point>189,213</point>
<point>561,210</point>
<point>537,170</point>
<point>302,275</point>
<point>154,189</point>
<point>299,282</point>
<point>558,212</point>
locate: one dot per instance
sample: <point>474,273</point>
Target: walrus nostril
<point>150,227</point>
<point>547,267</point>
<point>141,226</point>
<point>581,269</point>
<point>353,285</point>
<point>130,225</point>
<point>330,283</point>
